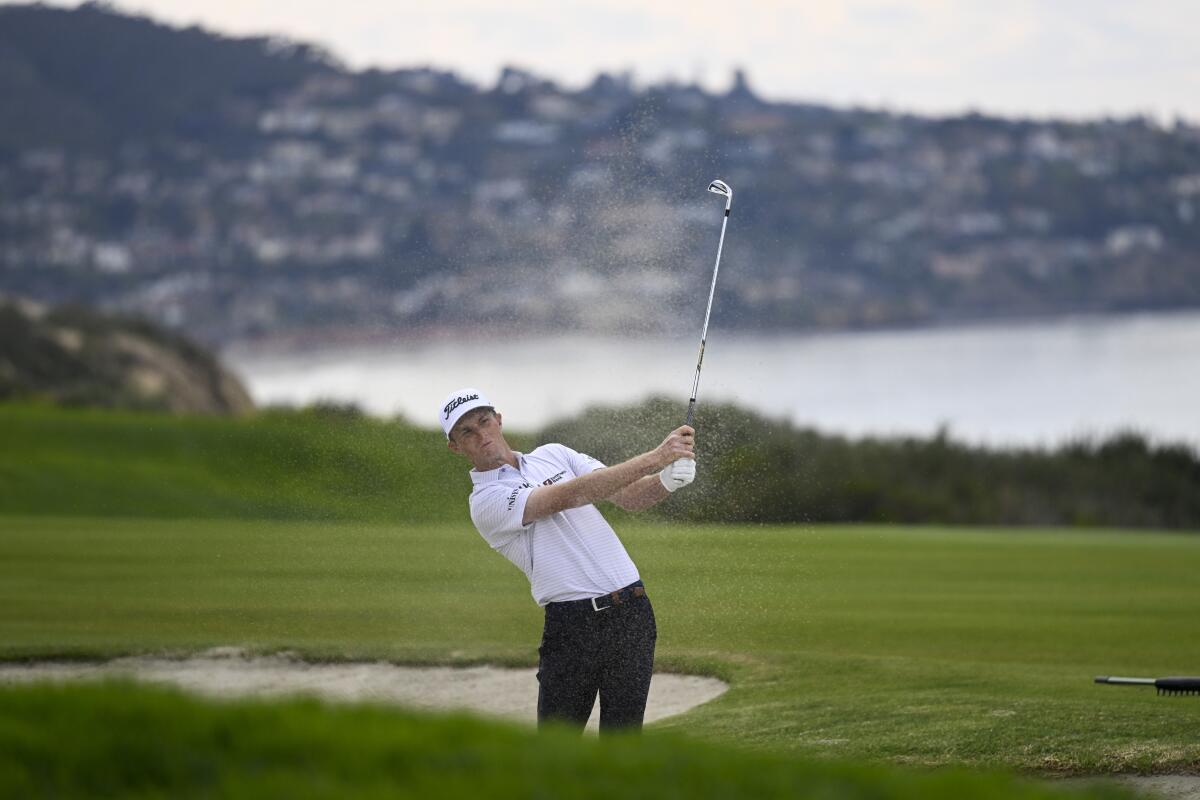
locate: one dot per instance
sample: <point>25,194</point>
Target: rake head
<point>1178,685</point>
<point>1168,686</point>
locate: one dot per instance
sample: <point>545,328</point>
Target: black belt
<point>607,601</point>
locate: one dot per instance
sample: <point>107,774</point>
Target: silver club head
<point>721,188</point>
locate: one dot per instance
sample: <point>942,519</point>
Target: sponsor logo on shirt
<point>512,498</point>
<point>458,401</point>
<point>554,479</point>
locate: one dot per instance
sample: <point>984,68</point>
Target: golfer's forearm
<point>641,494</point>
<point>598,485</point>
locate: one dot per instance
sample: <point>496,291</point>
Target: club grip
<point>691,412</point>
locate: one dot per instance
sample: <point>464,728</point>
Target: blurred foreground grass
<point>931,646</point>
<point>298,749</point>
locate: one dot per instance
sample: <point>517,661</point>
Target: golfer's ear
<point>499,419</point>
<point>452,446</point>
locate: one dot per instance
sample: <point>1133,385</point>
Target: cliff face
<point>75,356</point>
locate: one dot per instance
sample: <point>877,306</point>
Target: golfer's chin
<point>490,458</point>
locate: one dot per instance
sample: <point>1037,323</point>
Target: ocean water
<point>1028,384</point>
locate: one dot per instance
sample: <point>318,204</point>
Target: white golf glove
<point>678,474</point>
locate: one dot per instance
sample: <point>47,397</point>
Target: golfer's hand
<point>679,444</point>
<point>679,474</point>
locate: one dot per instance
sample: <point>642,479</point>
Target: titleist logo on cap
<point>456,402</point>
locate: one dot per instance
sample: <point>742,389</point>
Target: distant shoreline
<point>1035,383</point>
<point>338,338</point>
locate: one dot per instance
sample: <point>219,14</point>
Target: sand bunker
<point>228,672</point>
<point>1158,787</point>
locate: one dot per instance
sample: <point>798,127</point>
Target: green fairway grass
<point>885,644</point>
<point>300,749</point>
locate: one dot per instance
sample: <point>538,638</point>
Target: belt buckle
<point>598,608</point>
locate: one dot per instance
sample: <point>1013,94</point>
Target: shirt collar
<point>490,475</point>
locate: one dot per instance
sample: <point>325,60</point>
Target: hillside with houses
<point>237,189</point>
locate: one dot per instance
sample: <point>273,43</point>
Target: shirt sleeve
<point>580,463</point>
<point>497,512</point>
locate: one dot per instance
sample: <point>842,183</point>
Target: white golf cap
<point>458,403</point>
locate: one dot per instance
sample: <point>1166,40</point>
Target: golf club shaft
<point>707,313</point>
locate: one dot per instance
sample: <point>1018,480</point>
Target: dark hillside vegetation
<point>752,469</point>
<point>91,79</point>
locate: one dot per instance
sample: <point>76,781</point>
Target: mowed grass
<point>884,644</point>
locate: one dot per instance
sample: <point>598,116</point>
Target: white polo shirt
<point>571,555</point>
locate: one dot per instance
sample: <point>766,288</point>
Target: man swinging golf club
<point>536,509</point>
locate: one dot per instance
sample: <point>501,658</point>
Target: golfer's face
<point>478,436</point>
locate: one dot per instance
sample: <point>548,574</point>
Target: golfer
<point>536,510</point>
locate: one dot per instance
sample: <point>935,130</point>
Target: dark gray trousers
<point>585,652</point>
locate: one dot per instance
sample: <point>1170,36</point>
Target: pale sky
<point>1072,58</point>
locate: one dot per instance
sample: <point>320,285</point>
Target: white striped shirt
<point>570,555</point>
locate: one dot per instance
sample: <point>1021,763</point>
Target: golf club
<point>722,188</point>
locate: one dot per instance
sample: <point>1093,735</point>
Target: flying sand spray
<point>722,188</point>
<point>1167,686</point>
